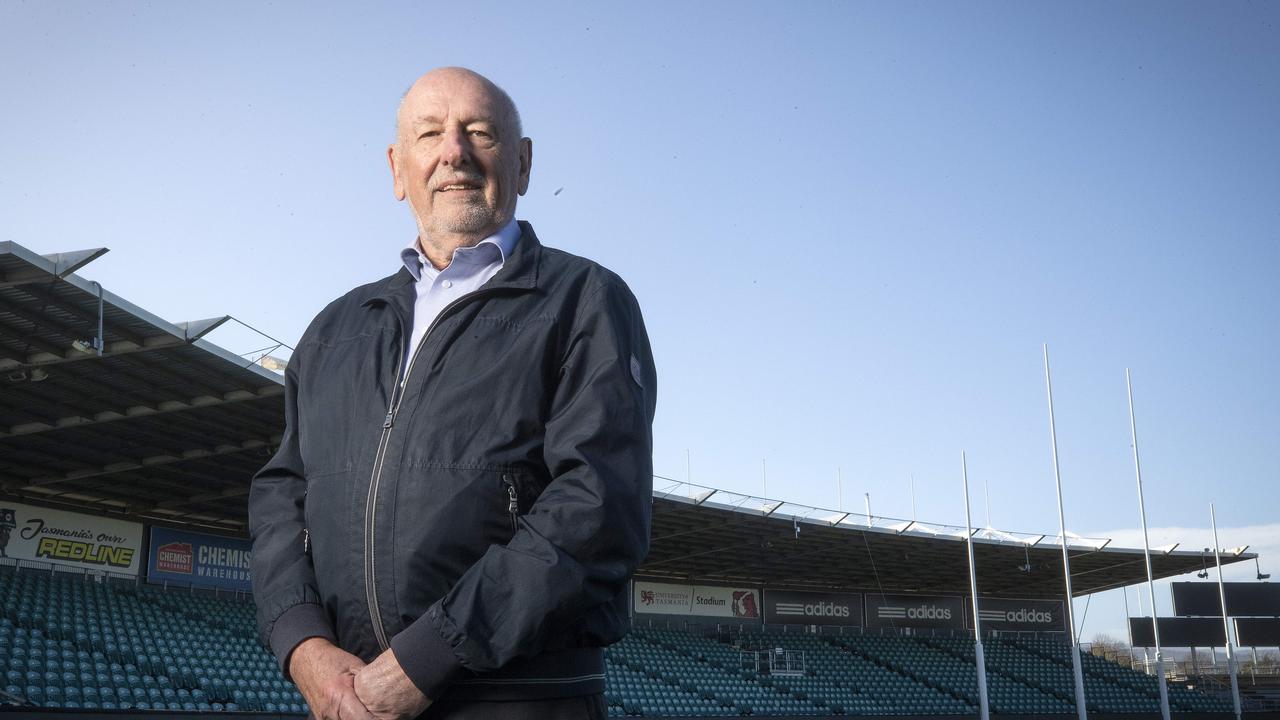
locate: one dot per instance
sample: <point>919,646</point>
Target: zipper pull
<point>386,424</point>
<point>306,541</point>
<point>513,505</point>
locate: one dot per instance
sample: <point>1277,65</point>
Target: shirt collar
<point>504,240</point>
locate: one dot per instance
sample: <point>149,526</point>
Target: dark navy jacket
<point>482,518</point>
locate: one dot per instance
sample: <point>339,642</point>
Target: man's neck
<point>439,250</point>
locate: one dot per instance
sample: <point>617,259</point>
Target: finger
<point>350,708</point>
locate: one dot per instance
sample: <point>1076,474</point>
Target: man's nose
<point>456,148</point>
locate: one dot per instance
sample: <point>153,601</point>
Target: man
<point>464,484</point>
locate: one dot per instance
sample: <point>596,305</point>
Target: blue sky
<point>850,225</point>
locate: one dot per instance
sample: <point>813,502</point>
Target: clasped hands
<point>339,686</point>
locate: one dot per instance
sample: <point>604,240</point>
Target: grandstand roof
<point>163,426</point>
<point>167,428</point>
<point>709,535</point>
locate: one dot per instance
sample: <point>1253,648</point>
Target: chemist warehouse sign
<point>197,559</point>
<point>66,538</point>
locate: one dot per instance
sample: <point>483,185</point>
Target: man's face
<point>458,158</point>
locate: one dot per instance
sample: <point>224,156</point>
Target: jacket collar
<point>519,272</point>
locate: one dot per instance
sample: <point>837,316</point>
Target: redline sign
<point>84,541</point>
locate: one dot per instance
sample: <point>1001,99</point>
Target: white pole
<point>984,707</point>
<point>986,498</point>
<point>1076,670</point>
<point>1146,550</point>
<point>764,478</point>
<point>1128,628</point>
<point>1226,624</point>
<point>1142,612</point>
<point>840,489</point>
<point>867,498</point>
<point>688,466</point>
<point>912,479</point>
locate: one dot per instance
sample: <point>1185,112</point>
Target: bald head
<point>459,159</point>
<point>453,75</point>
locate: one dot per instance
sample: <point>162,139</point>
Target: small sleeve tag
<point>635,372</point>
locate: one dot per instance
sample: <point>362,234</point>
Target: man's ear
<point>526,165</point>
<point>396,185</point>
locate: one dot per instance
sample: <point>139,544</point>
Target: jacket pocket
<point>445,519</point>
<point>513,500</point>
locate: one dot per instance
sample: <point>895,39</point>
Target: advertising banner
<point>700,600</point>
<point>663,598</point>
<point>1010,615</point>
<point>1178,632</point>
<point>812,608</point>
<point>732,602</point>
<point>66,538</point>
<point>1243,599</point>
<point>198,559</point>
<point>914,611</point>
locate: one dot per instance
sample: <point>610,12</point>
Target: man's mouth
<point>456,187</point>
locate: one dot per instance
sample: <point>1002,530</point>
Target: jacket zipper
<point>370,514</point>
<point>513,504</point>
<point>371,507</point>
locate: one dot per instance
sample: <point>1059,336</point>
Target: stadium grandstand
<point>126,447</point>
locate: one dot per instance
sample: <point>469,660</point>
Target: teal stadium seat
<point>65,642</point>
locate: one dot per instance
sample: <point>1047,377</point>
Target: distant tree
<point>1106,646</point>
<point>1109,643</point>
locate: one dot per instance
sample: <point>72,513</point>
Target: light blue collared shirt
<point>468,269</point>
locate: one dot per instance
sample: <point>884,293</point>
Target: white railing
<point>691,493</point>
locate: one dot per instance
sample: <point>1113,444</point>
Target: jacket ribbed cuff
<point>298,623</point>
<point>426,658</point>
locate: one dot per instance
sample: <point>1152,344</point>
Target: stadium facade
<point>127,444</point>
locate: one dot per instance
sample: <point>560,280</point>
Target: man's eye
<point>429,134</point>
<point>481,134</point>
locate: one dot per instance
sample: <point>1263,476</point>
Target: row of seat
<point>67,642</point>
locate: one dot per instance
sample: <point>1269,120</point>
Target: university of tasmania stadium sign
<point>71,539</point>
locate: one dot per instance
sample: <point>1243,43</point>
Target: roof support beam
<point>142,463</point>
<point>44,322</point>
<point>24,336</point>
<point>89,318</point>
<point>137,411</point>
<point>79,502</point>
<point>237,491</point>
<point>19,399</point>
<point>122,347</point>
<point>15,357</point>
<point>147,439</point>
<point>136,369</point>
<point>199,518</point>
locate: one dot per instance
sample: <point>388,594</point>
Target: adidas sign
<point>929,612</point>
<point>1027,615</point>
